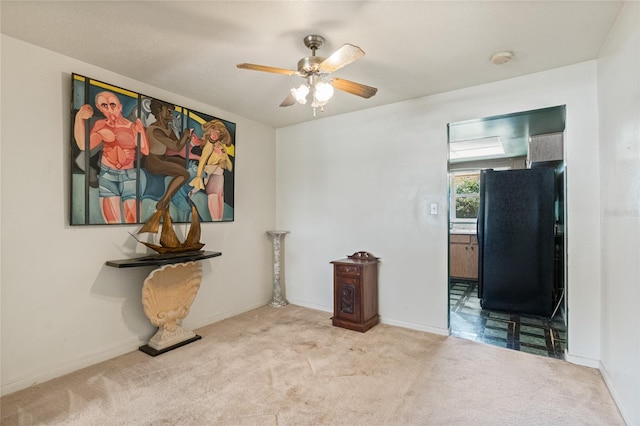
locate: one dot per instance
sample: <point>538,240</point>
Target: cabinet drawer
<point>347,270</point>
<point>460,238</point>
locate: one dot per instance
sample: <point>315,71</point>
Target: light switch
<point>434,208</point>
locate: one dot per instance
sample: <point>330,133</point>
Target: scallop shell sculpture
<point>167,296</point>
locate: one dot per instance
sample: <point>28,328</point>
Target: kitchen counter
<point>462,231</point>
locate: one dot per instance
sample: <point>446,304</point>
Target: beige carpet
<point>290,366</point>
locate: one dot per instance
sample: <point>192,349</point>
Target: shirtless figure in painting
<point>119,138</point>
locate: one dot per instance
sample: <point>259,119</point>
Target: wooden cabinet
<point>463,256</point>
<point>355,292</point>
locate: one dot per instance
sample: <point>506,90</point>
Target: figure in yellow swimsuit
<point>213,162</point>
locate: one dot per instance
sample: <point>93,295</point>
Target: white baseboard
<point>130,345</point>
<point>587,362</point>
<point>80,362</point>
<point>311,305</point>
<point>578,360</point>
<point>614,394</point>
<point>203,322</point>
<point>419,327</point>
<point>403,324</point>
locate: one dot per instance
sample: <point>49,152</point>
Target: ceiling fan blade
<point>288,101</point>
<point>341,57</point>
<point>353,88</point>
<point>265,68</point>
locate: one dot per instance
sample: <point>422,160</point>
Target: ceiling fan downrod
<point>313,42</point>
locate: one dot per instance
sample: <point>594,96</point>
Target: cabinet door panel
<point>472,262</point>
<point>463,261</point>
<point>457,260</point>
<point>348,298</point>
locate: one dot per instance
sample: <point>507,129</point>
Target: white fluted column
<point>278,299</point>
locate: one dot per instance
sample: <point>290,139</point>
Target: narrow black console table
<point>167,295</point>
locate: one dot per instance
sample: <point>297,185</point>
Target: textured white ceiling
<point>413,49</point>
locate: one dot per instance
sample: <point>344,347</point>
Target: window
<point>465,195</point>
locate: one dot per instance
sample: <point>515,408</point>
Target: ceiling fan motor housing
<point>310,64</point>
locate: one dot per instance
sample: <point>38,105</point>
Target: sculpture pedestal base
<point>155,352</point>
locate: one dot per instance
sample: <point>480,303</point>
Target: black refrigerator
<point>516,226</point>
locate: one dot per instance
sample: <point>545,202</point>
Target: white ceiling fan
<point>315,70</point>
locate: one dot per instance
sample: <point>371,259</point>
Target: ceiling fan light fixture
<point>300,93</point>
<point>322,91</point>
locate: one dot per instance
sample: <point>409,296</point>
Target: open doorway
<point>507,276</point>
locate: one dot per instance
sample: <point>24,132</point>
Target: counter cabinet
<point>463,256</point>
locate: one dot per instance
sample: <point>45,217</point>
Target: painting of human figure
<point>134,156</point>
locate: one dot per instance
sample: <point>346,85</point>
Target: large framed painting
<point>133,155</point>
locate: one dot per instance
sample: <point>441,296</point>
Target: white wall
<point>619,104</point>
<point>62,308</point>
<point>364,181</point>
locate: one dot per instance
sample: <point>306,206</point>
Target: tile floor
<point>526,333</point>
